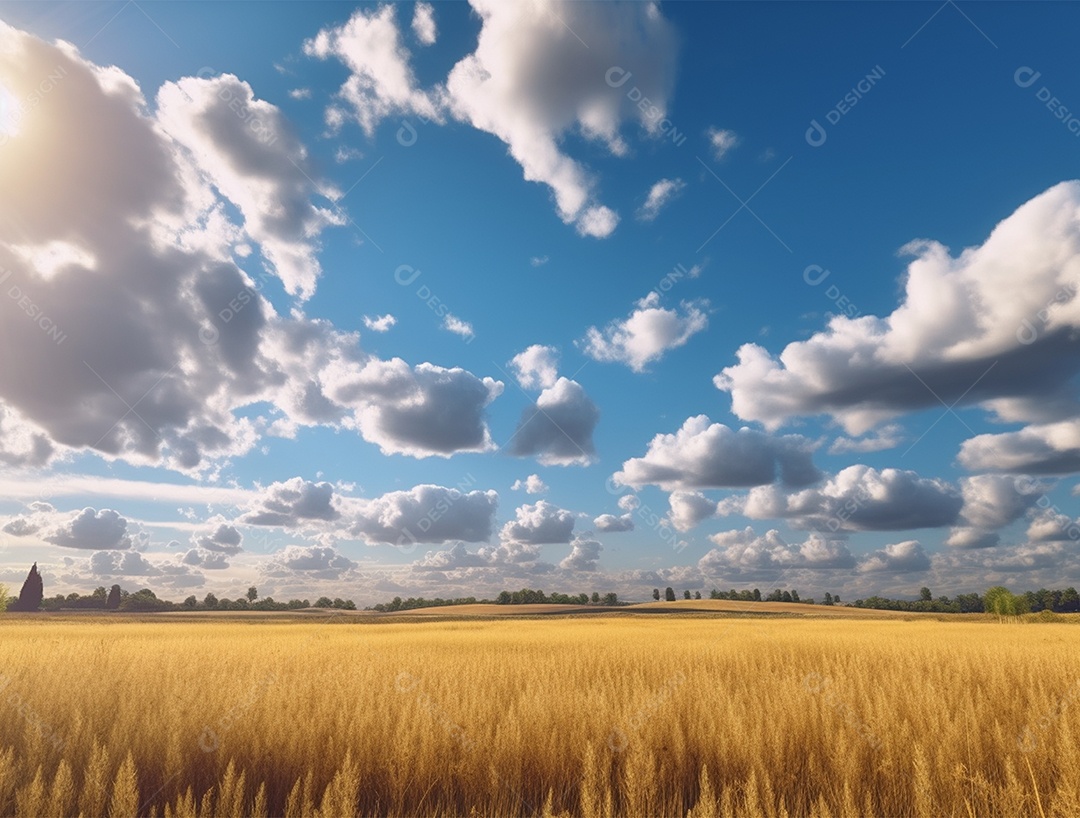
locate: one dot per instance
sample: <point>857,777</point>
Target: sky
<point>369,300</point>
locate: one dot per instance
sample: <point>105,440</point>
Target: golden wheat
<point>595,717</point>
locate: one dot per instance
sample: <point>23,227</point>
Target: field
<point>594,716</point>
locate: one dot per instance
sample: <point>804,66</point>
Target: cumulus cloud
<point>1052,526</point>
<point>511,559</point>
<point>379,323</point>
<point>995,326</point>
<point>583,556</point>
<point>423,23</point>
<point>721,141</point>
<point>711,455</point>
<point>308,562</point>
<point>425,513</point>
<point>991,501</point>
<point>536,367</point>
<point>256,163</point>
<point>417,411</point>
<point>610,524</point>
<point>293,503</point>
<point>224,539</point>
<point>538,524</point>
<point>1041,448</point>
<point>660,194</point>
<point>530,485</point>
<point>689,508</point>
<point>95,530</point>
<point>646,334</point>
<point>744,554</point>
<point>897,558</point>
<point>165,339</point>
<point>558,428</point>
<point>858,498</point>
<point>531,81</point>
<point>122,563</point>
<point>887,437</point>
<point>207,560</point>
<point>381,82</point>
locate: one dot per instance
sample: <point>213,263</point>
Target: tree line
<point>32,598</point>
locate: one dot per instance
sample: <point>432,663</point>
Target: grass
<point>620,715</point>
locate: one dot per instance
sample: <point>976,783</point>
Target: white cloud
<point>1049,448</point>
<point>660,194</point>
<point>379,323</point>
<point>293,503</point>
<point>451,323</point>
<point>532,80</point>
<point>256,163</point>
<point>743,554</point>
<point>689,509</point>
<point>703,454</point>
<point>96,530</point>
<point>721,141</point>
<point>308,562</point>
<point>646,334</point>
<point>531,485</point>
<point>538,524</point>
<point>583,556</point>
<point>539,261</point>
<point>558,428</point>
<point>858,498</point>
<point>424,514</point>
<point>887,437</point>
<point>610,524</point>
<point>224,539</point>
<point>536,367</point>
<point>901,557</point>
<point>167,340</point>
<point>995,325</point>
<point>300,93</point>
<point>423,23</point>
<point>381,82</point>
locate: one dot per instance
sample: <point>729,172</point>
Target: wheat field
<point>620,715</point>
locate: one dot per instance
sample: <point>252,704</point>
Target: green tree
<point>757,595</point>
<point>191,602</point>
<point>669,594</point>
<point>210,601</point>
<point>595,598</point>
<point>925,595</point>
<point>697,594</point>
<point>656,594</point>
<point>828,599</point>
<point>685,594</point>
<point>252,593</point>
<point>1004,604</point>
<point>794,595</point>
<point>786,597</point>
<point>4,598</point>
<point>326,602</point>
<point>611,598</point>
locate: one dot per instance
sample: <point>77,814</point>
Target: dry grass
<point>601,716</point>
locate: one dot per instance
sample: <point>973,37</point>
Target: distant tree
<point>4,598</point>
<point>836,598</point>
<point>828,599</point>
<point>786,597</point>
<point>503,598</point>
<point>113,600</point>
<point>685,594</point>
<point>794,595</point>
<point>595,598</point>
<point>697,594</point>
<point>210,601</point>
<point>326,602</point>
<point>32,593</point>
<point>775,596</point>
<point>925,595</point>
<point>100,593</point>
<point>191,602</point>
<point>757,595</point>
<point>656,594</point>
<point>669,594</point>
<point>1004,604</point>
<point>611,598</point>
<point>252,593</point>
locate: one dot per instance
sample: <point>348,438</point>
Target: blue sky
<point>286,283</point>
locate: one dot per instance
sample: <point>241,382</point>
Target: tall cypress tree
<point>33,591</point>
